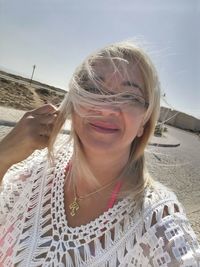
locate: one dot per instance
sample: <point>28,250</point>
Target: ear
<point>140,131</point>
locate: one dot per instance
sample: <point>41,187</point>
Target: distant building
<point>179,119</point>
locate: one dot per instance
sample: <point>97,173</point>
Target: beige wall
<point>179,119</point>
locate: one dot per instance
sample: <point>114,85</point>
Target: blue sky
<point>56,35</point>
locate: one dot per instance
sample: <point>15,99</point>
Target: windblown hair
<point>117,55</point>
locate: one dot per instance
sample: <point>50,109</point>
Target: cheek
<point>133,124</point>
<point>77,123</point>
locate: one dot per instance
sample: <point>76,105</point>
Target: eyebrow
<point>132,84</point>
<point>125,83</point>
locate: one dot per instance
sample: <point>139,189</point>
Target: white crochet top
<point>34,230</point>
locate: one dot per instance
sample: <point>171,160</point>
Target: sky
<point>56,36</point>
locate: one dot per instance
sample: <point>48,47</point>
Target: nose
<point>106,110</point>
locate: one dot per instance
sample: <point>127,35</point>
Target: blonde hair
<point>116,53</point>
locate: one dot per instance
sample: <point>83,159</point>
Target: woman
<point>92,203</point>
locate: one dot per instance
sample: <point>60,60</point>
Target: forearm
<point>4,162</point>
<point>3,169</point>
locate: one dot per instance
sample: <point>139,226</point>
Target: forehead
<point>119,73</point>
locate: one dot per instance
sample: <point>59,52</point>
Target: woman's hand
<point>30,133</point>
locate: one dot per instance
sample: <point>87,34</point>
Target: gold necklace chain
<point>74,206</point>
<point>97,191</point>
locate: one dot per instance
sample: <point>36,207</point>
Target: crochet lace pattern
<point>34,230</point>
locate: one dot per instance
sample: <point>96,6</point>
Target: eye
<point>92,90</point>
<point>135,100</point>
<point>138,100</point>
<point>127,97</point>
<point>131,97</point>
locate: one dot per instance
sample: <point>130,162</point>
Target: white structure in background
<point>179,119</point>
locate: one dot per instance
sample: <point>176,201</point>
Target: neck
<point>106,167</point>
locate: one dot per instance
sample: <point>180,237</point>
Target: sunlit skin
<point>106,140</point>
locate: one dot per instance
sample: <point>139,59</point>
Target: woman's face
<point>114,127</point>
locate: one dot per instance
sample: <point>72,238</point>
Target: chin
<point>100,146</point>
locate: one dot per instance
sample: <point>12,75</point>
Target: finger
<point>32,119</point>
<point>48,108</point>
<point>46,118</point>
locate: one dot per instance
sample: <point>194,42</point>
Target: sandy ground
<point>20,94</point>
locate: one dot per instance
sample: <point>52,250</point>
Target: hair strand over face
<point>116,54</point>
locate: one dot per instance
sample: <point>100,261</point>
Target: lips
<point>104,126</point>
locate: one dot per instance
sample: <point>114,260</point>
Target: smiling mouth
<point>104,128</point>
